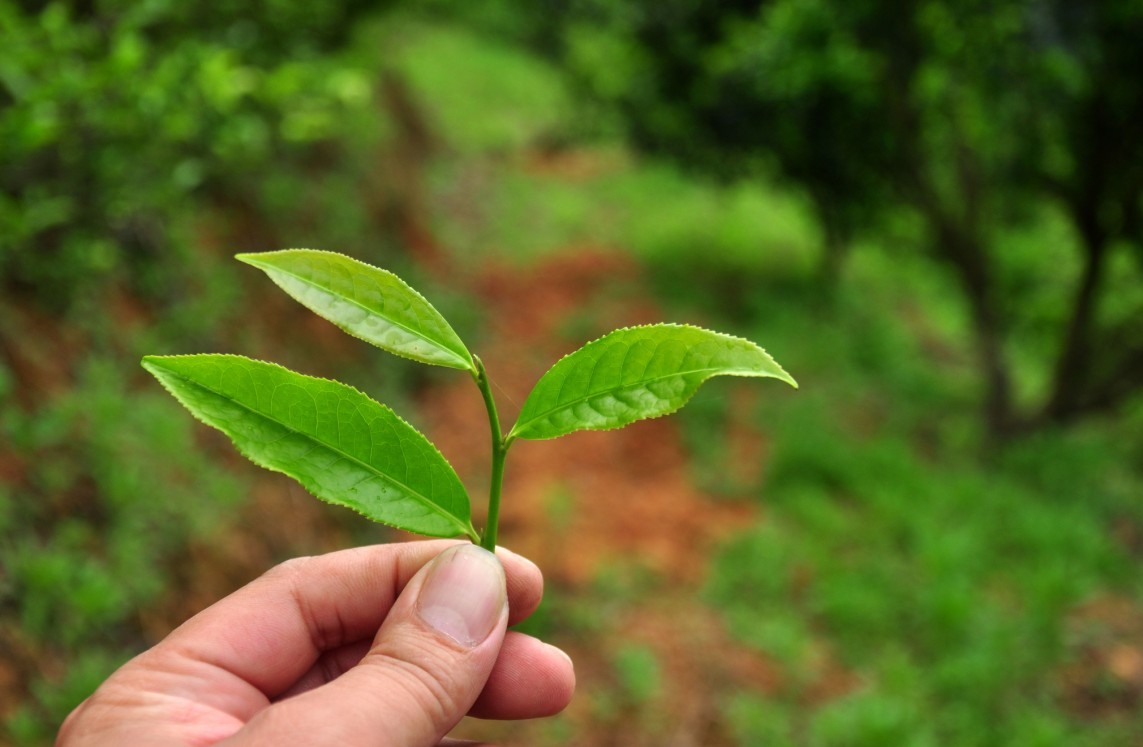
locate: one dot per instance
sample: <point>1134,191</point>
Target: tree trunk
<point>1073,367</point>
<point>832,262</point>
<point>968,258</point>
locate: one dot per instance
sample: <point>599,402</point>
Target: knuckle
<point>289,570</point>
<point>424,678</point>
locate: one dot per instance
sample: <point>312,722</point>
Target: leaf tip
<point>785,376</point>
<point>249,258</point>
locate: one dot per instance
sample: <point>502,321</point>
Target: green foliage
<point>340,445</point>
<point>982,127</point>
<point>932,598</point>
<point>481,95</point>
<point>745,226</point>
<point>367,302</point>
<point>347,449</point>
<point>98,172</point>
<point>753,720</point>
<point>639,673</point>
<point>632,374</point>
<point>130,134</point>
<point>37,722</point>
<point>932,578</point>
<point>868,720</point>
<point>124,473</point>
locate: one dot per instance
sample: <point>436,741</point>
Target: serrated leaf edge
<point>786,377</point>
<point>468,530</point>
<point>467,364</point>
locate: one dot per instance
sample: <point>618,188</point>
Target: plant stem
<point>500,446</point>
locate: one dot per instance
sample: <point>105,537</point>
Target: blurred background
<point>931,213</point>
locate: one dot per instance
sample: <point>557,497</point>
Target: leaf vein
<point>643,383</point>
<point>368,311</point>
<point>317,442</point>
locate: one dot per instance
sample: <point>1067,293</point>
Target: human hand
<point>389,644</point>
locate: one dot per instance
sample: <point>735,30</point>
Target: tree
<point>975,117</point>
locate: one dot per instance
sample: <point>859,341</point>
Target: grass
<point>78,569</point>
<point>479,95</point>
<point>943,582</point>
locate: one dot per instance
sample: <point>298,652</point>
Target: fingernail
<point>464,595</point>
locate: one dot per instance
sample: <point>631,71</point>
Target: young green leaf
<point>367,302</point>
<point>338,443</point>
<point>635,373</point>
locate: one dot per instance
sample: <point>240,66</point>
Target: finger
<point>272,632</point>
<point>427,666</point>
<point>525,586</point>
<point>530,679</point>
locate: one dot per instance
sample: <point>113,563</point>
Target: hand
<point>390,644</point>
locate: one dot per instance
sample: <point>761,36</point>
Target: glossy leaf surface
<point>338,443</point>
<point>367,302</point>
<point>635,373</point>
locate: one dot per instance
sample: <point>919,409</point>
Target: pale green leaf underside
<point>338,443</point>
<point>635,373</point>
<point>367,302</point>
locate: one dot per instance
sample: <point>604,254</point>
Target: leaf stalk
<point>500,444</point>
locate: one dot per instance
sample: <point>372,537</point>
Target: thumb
<point>428,663</point>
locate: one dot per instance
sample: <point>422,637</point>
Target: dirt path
<point>577,502</point>
<point>596,510</point>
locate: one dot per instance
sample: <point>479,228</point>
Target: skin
<point>382,645</point>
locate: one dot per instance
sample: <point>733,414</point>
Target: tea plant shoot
<point>348,449</point>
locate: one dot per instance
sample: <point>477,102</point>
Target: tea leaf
<point>338,443</point>
<point>635,373</point>
<point>367,302</point>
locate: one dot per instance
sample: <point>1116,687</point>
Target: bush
<point>114,489</point>
<point>115,120</point>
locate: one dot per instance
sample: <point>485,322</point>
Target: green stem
<point>500,446</point>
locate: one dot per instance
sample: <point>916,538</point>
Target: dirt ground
<point>587,504</point>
